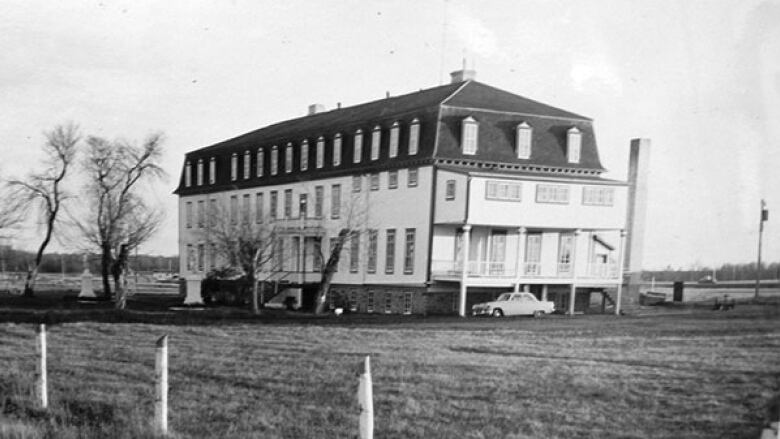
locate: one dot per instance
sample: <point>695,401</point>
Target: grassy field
<point>697,374</point>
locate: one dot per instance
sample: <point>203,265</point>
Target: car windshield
<point>504,296</point>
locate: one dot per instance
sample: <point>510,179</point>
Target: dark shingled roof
<point>439,110</point>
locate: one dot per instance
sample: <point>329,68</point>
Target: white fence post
<point>161,385</point>
<point>366,402</point>
<point>42,380</point>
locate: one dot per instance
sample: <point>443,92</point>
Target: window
<point>278,254</point>
<point>201,256</point>
<point>303,206</point>
<point>234,209</point>
<point>333,243</point>
<point>372,249</point>
<point>409,252</point>
<point>320,152</point>
<point>573,144</point>
<point>565,249</point>
<point>212,170</point>
<point>233,167</point>
<point>319,195</point>
<point>598,196</point>
<point>357,151</point>
<point>260,162</point>
<point>247,164</point>
<point>316,251</point>
<point>414,136</point>
<point>288,158</point>
<point>246,209</point>
<point>337,149</point>
<point>524,136</point>
<point>552,193</point>
<point>390,252</point>
<point>335,201</point>
<point>190,257</point>
<point>394,133</point>
<point>305,155</point>
<point>370,302</point>
<point>353,300</point>
<point>287,203</point>
<point>392,179</point>
<point>200,172</point>
<point>407,302</point>
<point>503,190</point>
<point>374,182</point>
<point>354,252</point>
<point>188,214</point>
<point>533,254</point>
<point>273,208</point>
<point>259,207</point>
<point>356,183</point>
<point>388,302</point>
<point>213,255</point>
<point>469,135</point>
<point>274,160</point>
<point>376,140</point>
<point>201,213</point>
<point>450,190</point>
<point>187,174</point>
<point>213,212</point>
<point>412,179</point>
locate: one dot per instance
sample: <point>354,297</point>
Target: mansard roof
<point>440,111</point>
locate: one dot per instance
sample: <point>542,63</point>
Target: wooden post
<point>366,402</point>
<point>161,385</point>
<point>465,272</point>
<point>621,256</point>
<point>42,379</point>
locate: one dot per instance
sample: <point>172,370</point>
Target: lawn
<point>694,374</point>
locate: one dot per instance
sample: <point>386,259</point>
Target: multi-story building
<point>457,193</point>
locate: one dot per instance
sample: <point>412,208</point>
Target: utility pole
<point>763,217</point>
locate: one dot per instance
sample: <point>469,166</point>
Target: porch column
<point>519,265</point>
<point>573,292</point>
<point>465,269</point>
<point>621,255</point>
<point>544,292</point>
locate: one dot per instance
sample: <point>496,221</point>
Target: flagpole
<point>761,219</point>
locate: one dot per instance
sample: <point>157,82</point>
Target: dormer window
<point>305,155</point>
<point>288,158</point>
<point>414,136</point>
<point>260,162</point>
<point>200,172</point>
<point>469,135</point>
<point>394,132</point>
<point>337,149</point>
<point>524,132</point>
<point>274,160</point>
<point>212,170</point>
<point>320,152</point>
<point>247,164</point>
<point>358,149</point>
<point>187,174</point>
<point>573,144</point>
<point>376,138</point>
<point>233,167</point>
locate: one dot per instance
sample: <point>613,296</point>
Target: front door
<point>497,259</point>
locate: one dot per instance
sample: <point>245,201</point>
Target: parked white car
<point>514,304</point>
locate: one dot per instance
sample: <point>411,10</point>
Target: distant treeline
<point>723,273</point>
<point>17,260</point>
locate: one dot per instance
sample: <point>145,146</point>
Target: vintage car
<point>514,304</point>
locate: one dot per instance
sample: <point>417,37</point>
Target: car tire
<point>497,313</point>
<point>538,314</point>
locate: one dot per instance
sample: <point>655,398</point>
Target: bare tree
<point>44,189</point>
<point>251,246</point>
<point>13,207</point>
<point>118,218</point>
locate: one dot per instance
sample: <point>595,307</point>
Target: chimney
<point>637,203</point>
<point>463,75</point>
<point>316,108</point>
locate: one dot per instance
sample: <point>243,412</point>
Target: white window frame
<point>450,189</point>
<point>247,164</point>
<point>503,190</point>
<point>233,167</point>
<point>337,149</point>
<point>414,136</point>
<point>395,132</point>
<point>200,172</point>
<point>274,160</point>
<point>304,155</point>
<point>320,152</point>
<point>598,195</point>
<point>524,140</point>
<point>288,158</point>
<point>552,193</point>
<point>357,150</point>
<point>469,136</point>
<point>412,182</point>
<point>187,174</point>
<point>376,142</point>
<point>212,170</point>
<point>408,297</point>
<point>260,162</point>
<point>392,179</point>
<point>573,144</point>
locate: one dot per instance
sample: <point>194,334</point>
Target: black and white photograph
<point>390,219</point>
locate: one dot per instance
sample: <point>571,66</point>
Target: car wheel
<point>538,314</point>
<point>498,313</point>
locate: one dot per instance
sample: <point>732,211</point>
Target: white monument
<point>86,281</point>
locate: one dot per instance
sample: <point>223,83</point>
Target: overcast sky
<point>700,79</point>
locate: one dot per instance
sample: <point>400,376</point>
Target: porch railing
<point>602,270</point>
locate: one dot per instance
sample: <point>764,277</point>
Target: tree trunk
<point>255,302</point>
<point>329,271</point>
<point>105,267</point>
<point>32,273</point>
<point>119,272</point>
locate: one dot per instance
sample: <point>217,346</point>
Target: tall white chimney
<point>316,108</point>
<point>463,75</point>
